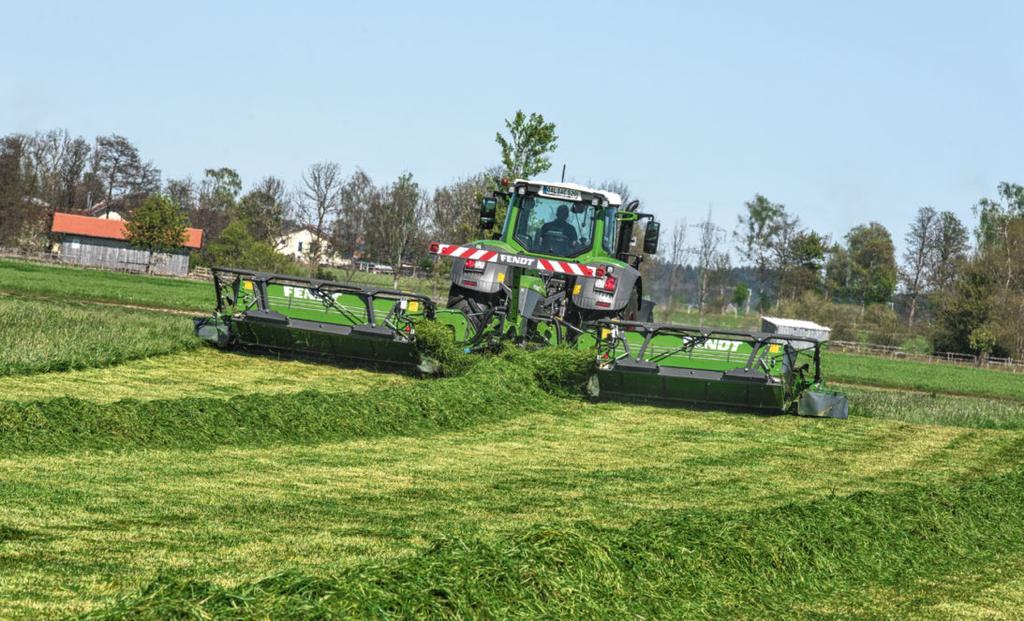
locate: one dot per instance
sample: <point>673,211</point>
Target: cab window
<point>555,227</point>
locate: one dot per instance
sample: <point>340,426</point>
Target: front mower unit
<point>317,318</point>
<point>667,363</point>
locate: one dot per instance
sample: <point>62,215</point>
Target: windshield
<point>554,226</point>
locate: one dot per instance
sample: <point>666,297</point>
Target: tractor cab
<point>566,220</point>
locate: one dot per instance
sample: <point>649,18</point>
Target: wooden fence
<point>889,351</point>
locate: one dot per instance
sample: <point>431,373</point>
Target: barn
<point>100,242</point>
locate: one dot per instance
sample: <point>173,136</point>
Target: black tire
<point>461,300</point>
<point>631,311</point>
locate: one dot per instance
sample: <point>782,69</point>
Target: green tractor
<point>559,272</point>
<point>562,261</point>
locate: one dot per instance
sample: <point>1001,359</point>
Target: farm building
<point>100,242</point>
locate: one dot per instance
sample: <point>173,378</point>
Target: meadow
<point>193,483</point>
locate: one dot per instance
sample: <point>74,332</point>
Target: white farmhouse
<point>296,245</point>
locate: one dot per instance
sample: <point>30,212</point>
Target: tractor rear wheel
<point>631,311</point>
<point>461,300</point>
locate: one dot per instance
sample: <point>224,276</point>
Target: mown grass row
<point>37,336</point>
<point>493,388</point>
<point>77,284</point>
<point>867,554</point>
<point>922,376</point>
<point>204,372</point>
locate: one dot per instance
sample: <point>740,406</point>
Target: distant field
<point>72,283</point>
<point>923,376</point>
<point>37,336</point>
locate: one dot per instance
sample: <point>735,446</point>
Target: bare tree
<point>677,252</point>
<point>321,193</point>
<point>116,162</point>
<point>455,208</point>
<point>920,240</point>
<point>395,222</point>
<point>949,251</point>
<point>348,231</point>
<point>709,258</point>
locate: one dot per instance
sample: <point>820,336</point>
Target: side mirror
<point>488,208</point>
<point>651,237</point>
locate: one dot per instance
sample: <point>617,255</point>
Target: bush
<point>917,345</point>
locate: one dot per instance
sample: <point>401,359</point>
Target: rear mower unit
<point>714,367</point>
<point>560,272</point>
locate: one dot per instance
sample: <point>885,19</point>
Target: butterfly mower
<point>559,272</point>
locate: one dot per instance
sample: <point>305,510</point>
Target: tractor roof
<point>613,199</point>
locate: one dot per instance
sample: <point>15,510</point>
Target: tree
<point>156,227</point>
<point>872,263</point>
<point>321,193</point>
<point>237,247</point>
<point>741,296</point>
<point>395,222</point>
<point>800,267</point>
<point>16,214</point>
<point>709,259</point>
<point>994,219</point>
<point>524,152</point>
<point>920,243</point>
<point>348,231</point>
<point>265,209</point>
<point>456,208</point>
<point>117,164</point>
<point>837,274</point>
<point>948,253</point>
<point>758,233</point>
<point>677,252</point>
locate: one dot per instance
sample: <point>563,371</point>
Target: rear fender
<point>487,281</point>
<point>591,298</point>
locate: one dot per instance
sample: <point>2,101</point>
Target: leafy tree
<point>994,220</point>
<point>157,226</point>
<point>872,263</point>
<point>236,246</point>
<point>758,233</point>
<point>524,152</point>
<point>740,296</point>
<point>802,265</point>
<point>982,340</point>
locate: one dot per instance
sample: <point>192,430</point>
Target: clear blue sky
<point>845,114</point>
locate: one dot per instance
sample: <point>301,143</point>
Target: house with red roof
<point>100,242</point>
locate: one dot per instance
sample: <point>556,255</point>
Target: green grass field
<point>74,283</point>
<point>190,483</point>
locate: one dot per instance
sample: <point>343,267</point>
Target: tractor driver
<point>561,226</point>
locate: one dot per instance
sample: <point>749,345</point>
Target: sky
<point>845,112</point>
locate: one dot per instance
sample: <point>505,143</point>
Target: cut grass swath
<point>808,560</point>
<point>40,336</point>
